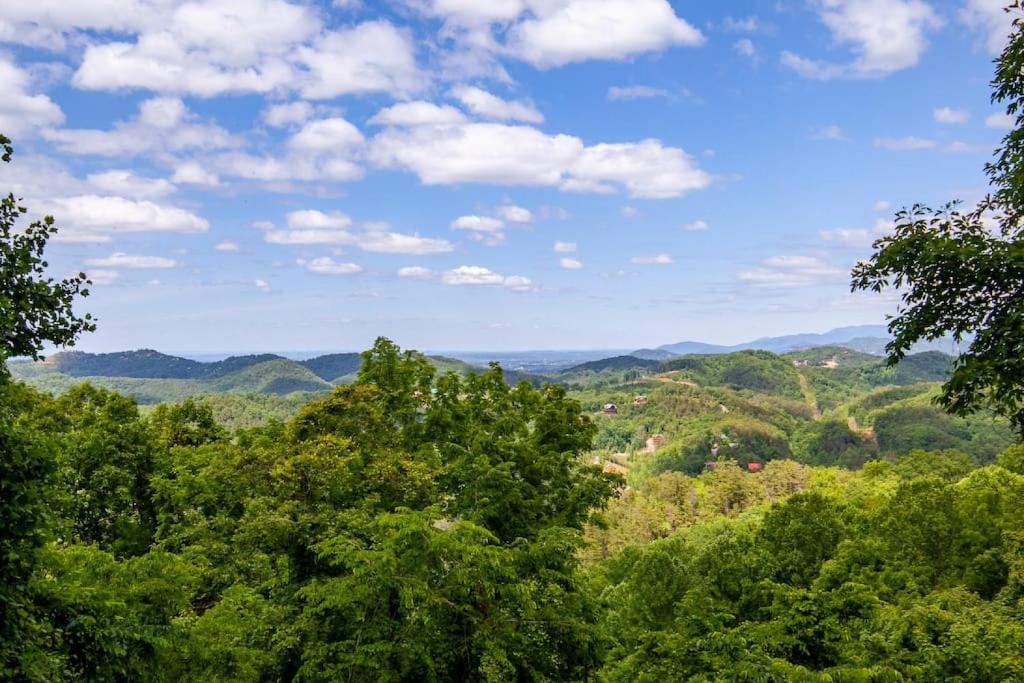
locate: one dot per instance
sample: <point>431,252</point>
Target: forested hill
<point>152,377</point>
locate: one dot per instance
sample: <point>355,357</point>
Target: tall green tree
<point>35,310</point>
<point>961,272</point>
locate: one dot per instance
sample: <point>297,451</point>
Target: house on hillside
<point>610,409</point>
<point>640,400</point>
<point>614,468</point>
<point>754,467</point>
<point>654,442</point>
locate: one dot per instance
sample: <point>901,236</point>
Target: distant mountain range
<point>864,338</point>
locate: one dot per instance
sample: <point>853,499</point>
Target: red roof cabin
<point>754,466</point>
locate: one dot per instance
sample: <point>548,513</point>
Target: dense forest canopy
<point>749,516</point>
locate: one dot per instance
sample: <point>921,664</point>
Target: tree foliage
<point>958,275</point>
<point>35,309</point>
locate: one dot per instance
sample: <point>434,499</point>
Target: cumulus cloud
<point>325,136</point>
<point>514,214</point>
<point>128,184</point>
<point>163,124</point>
<point>696,226</point>
<point>484,277</point>
<point>95,218</point>
<point>20,110</point>
<point>860,237</point>
<point>950,115</point>
<point>885,36</point>
<point>262,285</point>
<point>489,106</point>
<point>565,247</point>
<point>990,20</point>
<point>227,247</point>
<point>370,57</point>
<point>791,271</point>
<point>102,277</point>
<point>653,260</point>
<point>289,113</point>
<point>122,260</point>
<point>218,47</point>
<point>311,226</point>
<point>205,49</point>
<point>418,272</point>
<point>478,223</point>
<point>418,113</point>
<point>191,173</point>
<point>558,33</point>
<point>325,265</point>
<point>570,264</point>
<point>477,152</point>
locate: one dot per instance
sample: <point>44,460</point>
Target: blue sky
<point>242,175</point>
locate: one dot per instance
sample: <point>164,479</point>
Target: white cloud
<point>371,57</point>
<point>830,132</point>
<point>881,205</point>
<point>325,265</point>
<point>647,169</point>
<point>522,155</point>
<point>478,152</point>
<point>205,49</point>
<point>695,226</point>
<point>387,242</point>
<point>958,147</point>
<point>1000,121</point>
<point>860,237</point>
<point>745,48</point>
<point>20,111</point>
<point>280,115</point>
<point>570,264</point>
<point>418,113</point>
<point>416,272</point>
<point>558,33</point>
<point>790,272</point>
<point>908,143</point>
<point>565,247</point>
<point>478,223</point>
<point>126,183</point>
<point>629,211</point>
<point>749,24</point>
<point>884,35</point>
<point>262,285</point>
<point>653,260</point>
<point>316,227</point>
<point>162,124</point>
<point>489,106</point>
<point>484,277</point>
<point>312,218</point>
<point>989,18</point>
<point>635,92</point>
<point>325,136</point>
<point>122,260</point>
<point>102,278</point>
<point>191,173</point>
<point>94,218</point>
<point>514,214</point>
<point>227,247</point>
<point>952,116</point>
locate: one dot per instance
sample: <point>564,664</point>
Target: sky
<point>246,175</point>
